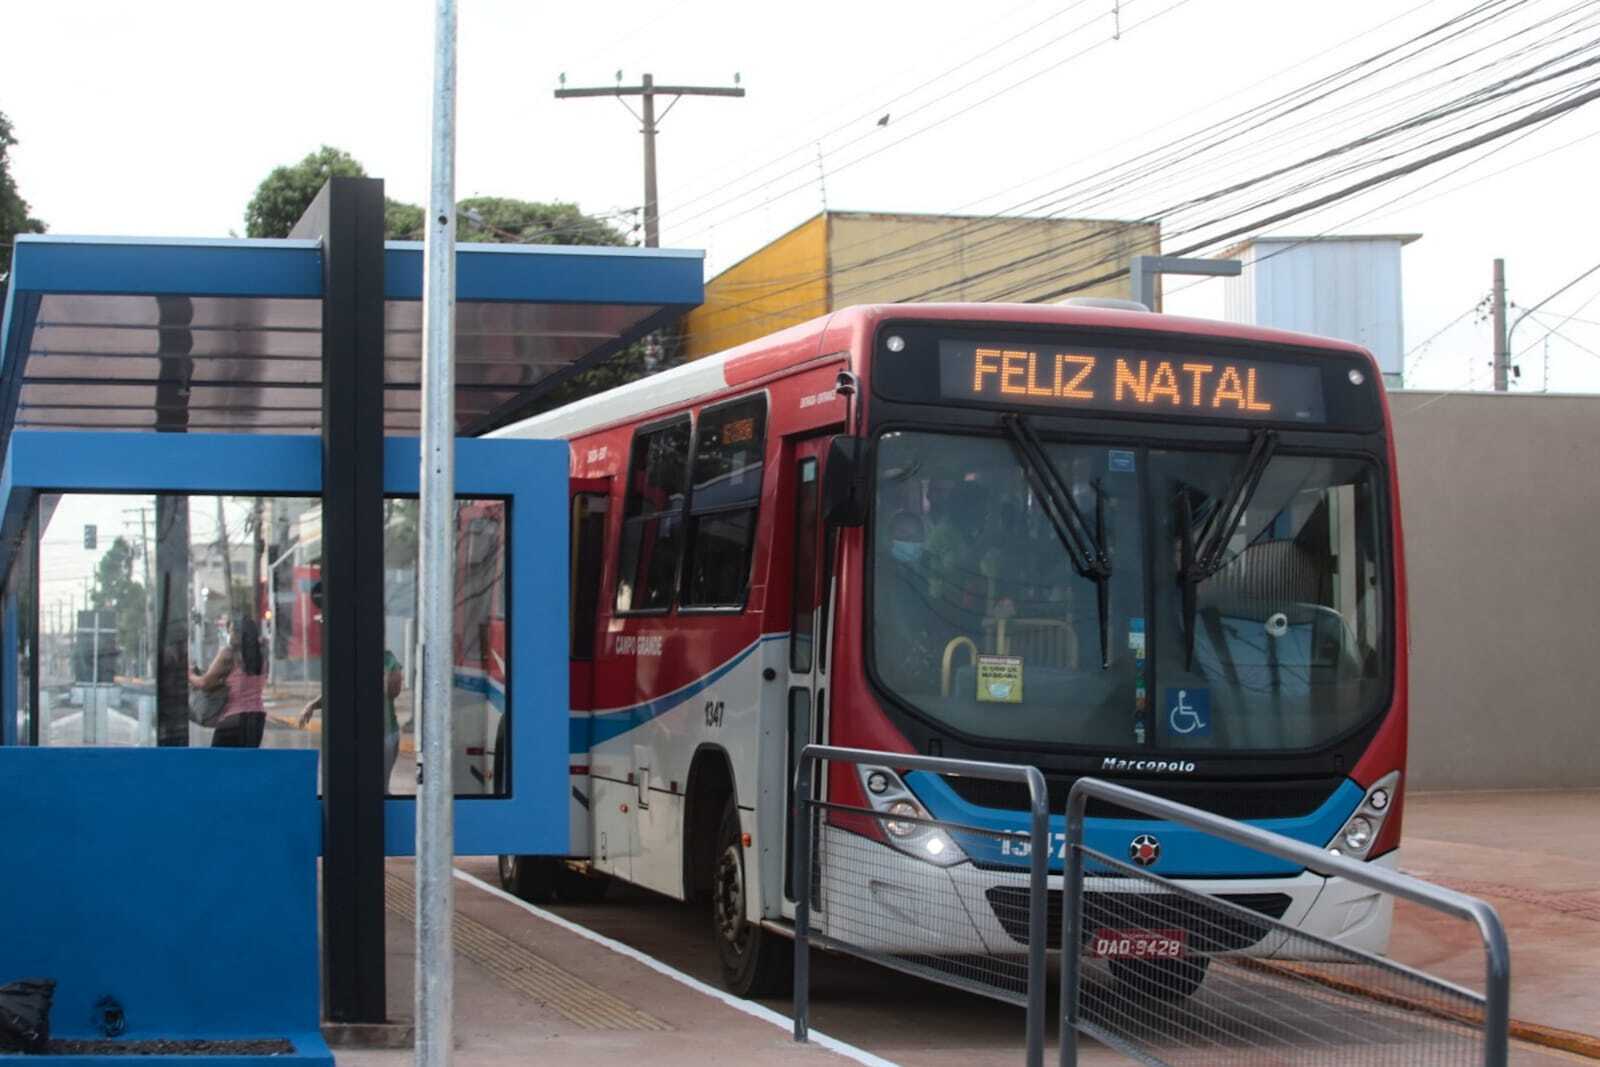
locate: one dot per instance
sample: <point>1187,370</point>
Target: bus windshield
<point>982,624</point>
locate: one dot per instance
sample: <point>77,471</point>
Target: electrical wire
<point>1557,103</point>
<point>1436,31</point>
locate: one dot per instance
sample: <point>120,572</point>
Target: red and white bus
<point>1097,540</point>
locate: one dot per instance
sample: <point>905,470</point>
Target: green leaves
<point>14,217</point>
<point>283,196</point>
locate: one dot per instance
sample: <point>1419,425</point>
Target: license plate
<point>1138,944</point>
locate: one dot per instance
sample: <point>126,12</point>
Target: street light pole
<point>435,973</point>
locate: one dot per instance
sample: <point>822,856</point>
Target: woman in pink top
<point>240,664</point>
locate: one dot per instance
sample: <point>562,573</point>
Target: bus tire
<point>755,961</point>
<point>533,878</point>
<point>1168,981</point>
<point>580,887</point>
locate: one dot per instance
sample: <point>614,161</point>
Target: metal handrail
<point>1497,994</point>
<point>1038,867</point>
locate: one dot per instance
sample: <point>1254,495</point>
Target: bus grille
<point>1231,800</point>
<point>1210,929</point>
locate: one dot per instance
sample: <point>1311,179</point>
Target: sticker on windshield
<point>1189,711</point>
<point>1136,638</point>
<point>1120,460</point>
<point>1000,679</point>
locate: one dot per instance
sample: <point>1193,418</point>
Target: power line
<point>1564,321</point>
<point>1178,154</point>
<point>1485,8</point>
<point>1547,300</point>
<point>647,91</point>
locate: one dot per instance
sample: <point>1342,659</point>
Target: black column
<point>348,217</point>
<point>171,574</point>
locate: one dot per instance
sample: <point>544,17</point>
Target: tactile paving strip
<point>534,977</point>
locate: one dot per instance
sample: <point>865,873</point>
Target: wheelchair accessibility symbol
<point>1189,711</point>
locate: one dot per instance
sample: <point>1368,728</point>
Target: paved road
<point>914,1022</point>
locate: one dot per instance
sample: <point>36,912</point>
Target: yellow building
<point>840,258</point>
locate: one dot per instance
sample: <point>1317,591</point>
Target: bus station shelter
<point>269,371</point>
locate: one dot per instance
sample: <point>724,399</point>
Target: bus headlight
<point>888,796</point>
<point>1357,834</point>
<point>1355,838</point>
<point>903,829</point>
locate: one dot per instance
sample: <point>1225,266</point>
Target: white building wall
<point>1347,288</point>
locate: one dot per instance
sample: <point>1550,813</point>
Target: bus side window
<point>589,512</point>
<point>652,517</point>
<point>805,569</point>
<point>725,496</point>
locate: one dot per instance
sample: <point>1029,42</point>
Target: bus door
<point>590,506</point>
<point>807,696</point>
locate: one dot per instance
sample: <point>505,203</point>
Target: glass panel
<point>589,511</point>
<point>728,455</point>
<point>20,613</point>
<point>799,737</point>
<point>1286,632</point>
<point>237,610</point>
<point>147,601</point>
<point>720,563</point>
<point>723,507</point>
<point>652,533</point>
<point>649,564</point>
<point>979,619</point>
<point>656,473</point>
<point>481,728</point>
<point>805,568</point>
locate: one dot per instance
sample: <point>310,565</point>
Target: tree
<point>14,217</point>
<point>283,196</point>
<point>117,592</point>
<point>507,221</point>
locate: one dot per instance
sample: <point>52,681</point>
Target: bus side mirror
<point>844,482</point>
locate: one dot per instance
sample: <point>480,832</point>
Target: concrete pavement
<point>530,989</point>
<point>1535,856</point>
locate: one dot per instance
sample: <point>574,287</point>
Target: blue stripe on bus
<point>590,730</point>
<point>1185,853</point>
<point>482,684</point>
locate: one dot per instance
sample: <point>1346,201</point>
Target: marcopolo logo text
<point>1152,766</point>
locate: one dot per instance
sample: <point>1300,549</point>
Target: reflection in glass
<point>137,592</point>
<point>480,765</point>
<point>140,594</point>
<point>980,620</point>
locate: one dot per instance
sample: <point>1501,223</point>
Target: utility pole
<point>1502,357</point>
<point>149,644</point>
<point>647,90</point>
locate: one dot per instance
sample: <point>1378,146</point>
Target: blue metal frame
<point>530,475</point>
<point>669,281</point>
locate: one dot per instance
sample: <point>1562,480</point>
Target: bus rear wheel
<point>1165,980</point>
<point>533,878</point>
<point>580,887</point>
<point>755,961</point>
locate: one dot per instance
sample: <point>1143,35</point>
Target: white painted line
<point>759,1011</point>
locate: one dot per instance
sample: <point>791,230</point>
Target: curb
<point>1579,1044</point>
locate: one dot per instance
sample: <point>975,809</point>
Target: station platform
<point>543,985</point>
<point>1534,855</point>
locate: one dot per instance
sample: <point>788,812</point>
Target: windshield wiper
<point>1085,545</point>
<point>1203,552</point>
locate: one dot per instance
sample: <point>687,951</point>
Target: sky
<point>161,119</point>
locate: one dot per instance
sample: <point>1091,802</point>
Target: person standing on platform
<point>241,664</point>
<point>393,680</point>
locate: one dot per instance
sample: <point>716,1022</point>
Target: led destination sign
<point>1130,380</point>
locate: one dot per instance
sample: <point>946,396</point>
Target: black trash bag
<point>25,1014</point>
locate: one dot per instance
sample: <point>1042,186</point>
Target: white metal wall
<point>1344,288</point>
